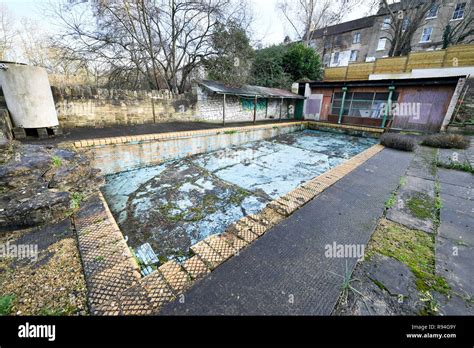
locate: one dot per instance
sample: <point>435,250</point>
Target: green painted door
<point>299,109</point>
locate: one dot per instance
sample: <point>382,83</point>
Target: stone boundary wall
<point>85,106</point>
<point>79,106</point>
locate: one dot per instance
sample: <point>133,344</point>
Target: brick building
<point>365,39</point>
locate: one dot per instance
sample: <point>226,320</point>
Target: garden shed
<point>419,104</point>
<point>218,102</point>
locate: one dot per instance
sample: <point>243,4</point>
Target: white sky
<point>270,25</point>
<point>269,28</point>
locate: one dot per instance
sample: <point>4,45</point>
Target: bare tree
<point>405,17</point>
<point>7,30</point>
<point>305,16</point>
<point>159,41</point>
<point>460,32</point>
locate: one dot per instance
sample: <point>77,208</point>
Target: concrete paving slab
<point>423,165</point>
<point>458,205</point>
<point>454,262</point>
<point>413,183</point>
<point>402,212</point>
<point>456,177</point>
<point>394,275</point>
<point>454,305</point>
<point>457,191</point>
<point>450,155</point>
<point>456,226</point>
<point>375,276</point>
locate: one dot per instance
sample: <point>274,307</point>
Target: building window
<point>353,57</point>
<point>361,104</point>
<point>386,23</point>
<point>335,59</point>
<point>459,11</point>
<point>337,41</point>
<point>356,38</point>
<point>381,44</point>
<point>433,12</point>
<point>327,43</point>
<point>426,35</point>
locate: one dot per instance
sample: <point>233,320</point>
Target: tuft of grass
<point>398,141</point>
<point>403,181</point>
<point>414,248</point>
<point>462,166</point>
<point>56,161</point>
<point>57,312</point>
<point>431,304</point>
<point>76,199</point>
<point>391,200</point>
<point>346,286</point>
<point>438,203</point>
<point>6,304</point>
<point>446,141</point>
<point>230,132</point>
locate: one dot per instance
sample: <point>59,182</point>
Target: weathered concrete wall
<point>117,156</point>
<point>98,107</point>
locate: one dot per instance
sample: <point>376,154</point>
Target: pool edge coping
<point>119,140</point>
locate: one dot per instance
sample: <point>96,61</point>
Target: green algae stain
<point>421,206</point>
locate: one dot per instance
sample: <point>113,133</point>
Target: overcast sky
<point>269,27</point>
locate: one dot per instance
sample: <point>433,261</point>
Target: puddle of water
<point>178,203</point>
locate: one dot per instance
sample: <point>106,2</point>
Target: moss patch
<point>421,206</point>
<point>414,248</point>
<point>6,304</point>
<point>429,156</point>
<point>391,200</point>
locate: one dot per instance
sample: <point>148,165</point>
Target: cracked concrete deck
<point>455,240</point>
<point>286,272</point>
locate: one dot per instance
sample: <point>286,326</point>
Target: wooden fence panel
<point>391,65</point>
<point>459,55</point>
<point>335,74</point>
<point>425,60</point>
<point>359,71</point>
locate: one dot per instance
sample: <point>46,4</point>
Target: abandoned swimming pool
<point>164,209</point>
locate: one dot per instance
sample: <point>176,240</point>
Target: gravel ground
<point>51,283</point>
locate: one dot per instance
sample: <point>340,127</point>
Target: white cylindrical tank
<point>28,96</point>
